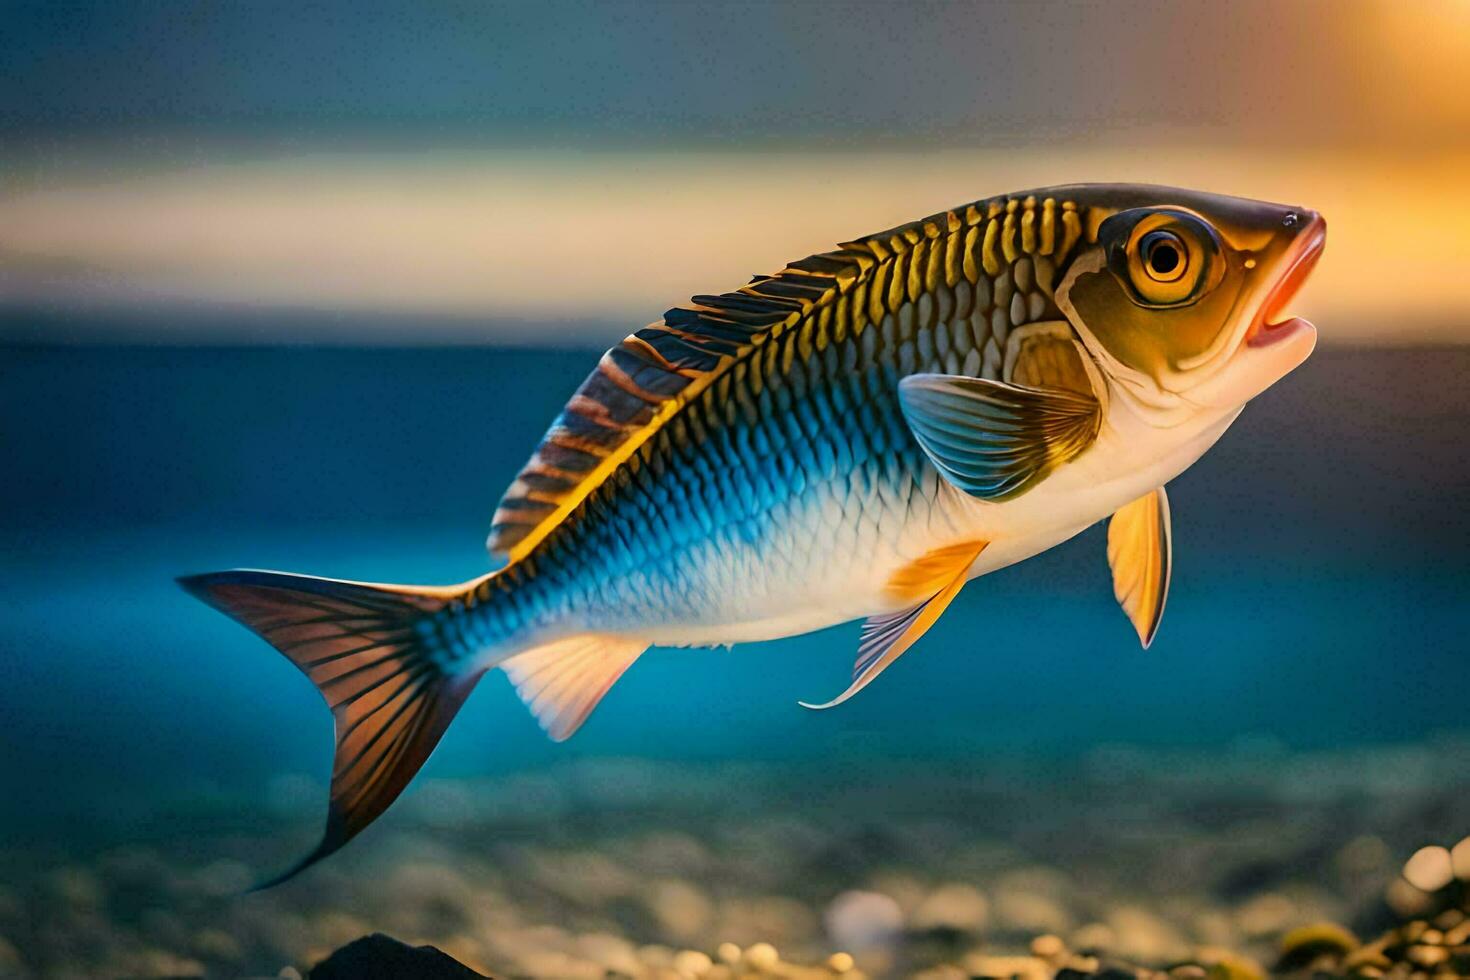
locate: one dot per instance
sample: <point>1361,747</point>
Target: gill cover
<point>1157,293</point>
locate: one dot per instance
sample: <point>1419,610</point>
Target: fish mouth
<point>1266,330</point>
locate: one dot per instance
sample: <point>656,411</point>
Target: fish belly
<point>800,561</point>
<point>819,558</point>
<point>789,515</point>
<point>780,526</point>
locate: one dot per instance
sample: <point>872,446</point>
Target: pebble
<point>1429,869</point>
<point>1460,859</point>
<point>681,909</point>
<point>1047,946</point>
<point>656,954</point>
<point>1144,937</point>
<point>761,956</point>
<point>1305,945</point>
<point>611,952</point>
<point>1027,911</point>
<point>1265,915</point>
<point>692,963</point>
<point>840,962</point>
<point>1406,900</point>
<point>1427,955</point>
<point>1363,855</point>
<point>1094,937</point>
<point>859,920</point>
<point>906,890</point>
<point>1226,965</point>
<point>1449,918</point>
<point>955,906</point>
<point>1371,955</point>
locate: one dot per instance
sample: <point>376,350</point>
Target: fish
<point>853,437</point>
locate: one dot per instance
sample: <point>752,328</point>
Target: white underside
<point>1129,458</point>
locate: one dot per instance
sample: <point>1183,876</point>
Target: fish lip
<point>1308,249</point>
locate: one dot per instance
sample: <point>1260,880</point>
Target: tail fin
<point>362,646</point>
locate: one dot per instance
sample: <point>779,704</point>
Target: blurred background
<point>299,286</point>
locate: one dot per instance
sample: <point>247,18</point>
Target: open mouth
<point>1267,329</point>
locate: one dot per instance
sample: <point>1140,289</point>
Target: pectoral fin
<point>995,440</point>
<point>1141,554</point>
<point>885,638</point>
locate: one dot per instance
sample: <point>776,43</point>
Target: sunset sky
<point>521,173</point>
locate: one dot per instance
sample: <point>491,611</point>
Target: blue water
<point>1322,549</point>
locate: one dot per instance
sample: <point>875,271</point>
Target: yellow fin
<point>1141,554</point>
<point>885,638</point>
<point>928,575</point>
<point>562,682</point>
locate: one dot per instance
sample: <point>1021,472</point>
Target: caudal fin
<point>362,646</point>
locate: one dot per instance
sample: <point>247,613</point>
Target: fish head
<point>1179,295</point>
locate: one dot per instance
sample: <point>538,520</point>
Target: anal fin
<point>886,638</point>
<point>562,682</point>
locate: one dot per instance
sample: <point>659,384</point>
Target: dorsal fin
<point>644,380</point>
<point>641,383</point>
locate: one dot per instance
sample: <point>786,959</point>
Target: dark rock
<point>1104,972</point>
<point>1320,944</point>
<point>380,957</point>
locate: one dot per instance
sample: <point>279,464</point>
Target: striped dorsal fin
<point>640,383</point>
<point>645,380</point>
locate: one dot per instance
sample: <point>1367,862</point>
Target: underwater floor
<point>612,868</point>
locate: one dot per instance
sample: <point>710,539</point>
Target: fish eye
<point>1164,255</point>
<point>1168,258</point>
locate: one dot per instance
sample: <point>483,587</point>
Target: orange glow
<point>623,236</point>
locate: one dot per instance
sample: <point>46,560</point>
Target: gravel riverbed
<point>871,867</point>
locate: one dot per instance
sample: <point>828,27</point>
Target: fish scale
<point>790,402</point>
<point>854,437</point>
